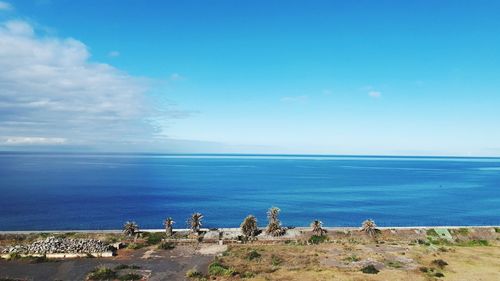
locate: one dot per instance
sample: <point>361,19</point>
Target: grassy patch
<point>275,260</point>
<point>432,232</point>
<point>126,266</point>
<point>153,238</point>
<point>474,243</point>
<point>247,274</point>
<point>136,246</point>
<point>439,263</point>
<point>166,246</point>
<point>370,269</point>
<point>395,264</point>
<point>497,229</point>
<point>317,239</point>
<point>462,231</point>
<point>352,258</point>
<point>193,273</point>
<point>218,269</point>
<point>253,254</point>
<point>102,273</point>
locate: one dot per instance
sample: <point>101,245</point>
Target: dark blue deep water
<point>68,191</point>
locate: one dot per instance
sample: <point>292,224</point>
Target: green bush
<point>474,243</point>
<point>193,273</point>
<point>136,246</point>
<point>432,232</point>
<point>102,273</point>
<point>126,266</point>
<point>276,261</point>
<point>439,263</point>
<point>370,269</point>
<point>166,246</point>
<point>153,238</point>
<point>248,274</point>
<point>253,254</point>
<point>352,258</point>
<point>497,229</point>
<point>317,239</point>
<point>462,231</point>
<point>216,268</point>
<point>439,274</point>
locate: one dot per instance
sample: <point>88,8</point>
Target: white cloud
<point>114,54</point>
<point>33,140</point>
<point>50,91</point>
<point>5,6</point>
<point>17,27</point>
<point>375,94</point>
<point>295,99</point>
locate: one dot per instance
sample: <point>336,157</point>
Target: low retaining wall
<point>66,255</point>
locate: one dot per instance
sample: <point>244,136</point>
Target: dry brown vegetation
<point>396,254</point>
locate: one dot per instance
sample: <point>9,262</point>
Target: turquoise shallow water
<point>69,191</point>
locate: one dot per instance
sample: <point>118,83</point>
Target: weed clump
<point>253,254</point>
<point>102,273</point>
<point>370,269</point>
<point>439,263</point>
<point>218,269</point>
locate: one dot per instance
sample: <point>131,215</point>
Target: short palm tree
<point>130,228</point>
<point>274,227</point>
<point>194,222</point>
<point>249,226</point>
<point>369,227</point>
<point>169,224</point>
<point>317,228</point>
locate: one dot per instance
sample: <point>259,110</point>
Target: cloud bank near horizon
<point>52,93</point>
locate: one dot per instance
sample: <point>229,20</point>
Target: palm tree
<point>130,228</point>
<point>194,222</point>
<point>274,227</point>
<point>249,226</point>
<point>369,227</point>
<point>317,228</point>
<point>168,223</point>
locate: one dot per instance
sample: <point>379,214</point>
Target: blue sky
<point>336,77</point>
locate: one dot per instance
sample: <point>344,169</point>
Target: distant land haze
<point>46,191</point>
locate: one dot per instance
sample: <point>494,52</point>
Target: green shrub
<point>248,274</point>
<point>253,254</point>
<point>317,239</point>
<point>462,231</point>
<point>370,269</point>
<point>130,276</point>
<point>439,274</point>
<point>102,273</point>
<point>432,232</point>
<point>395,264</point>
<point>497,229</point>
<point>193,273</point>
<point>352,258</point>
<point>216,268</point>
<point>439,263</point>
<point>153,238</point>
<point>474,243</point>
<point>276,261</point>
<point>166,246</point>
<point>126,266</point>
<point>135,246</point>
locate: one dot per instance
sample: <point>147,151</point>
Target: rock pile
<point>53,245</point>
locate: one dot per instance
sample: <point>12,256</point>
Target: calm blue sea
<point>69,191</point>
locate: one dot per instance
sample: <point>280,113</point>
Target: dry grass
<point>395,254</point>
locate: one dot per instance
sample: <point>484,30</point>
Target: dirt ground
<point>154,263</point>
